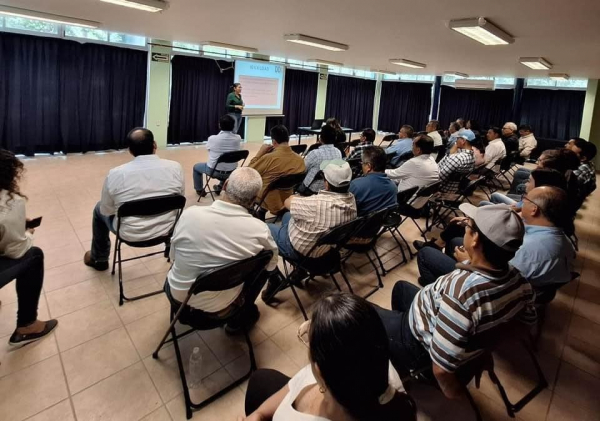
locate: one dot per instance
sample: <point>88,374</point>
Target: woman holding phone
<point>235,105</point>
<point>19,259</point>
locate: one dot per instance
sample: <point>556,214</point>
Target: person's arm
<point>449,383</point>
<point>264,149</point>
<point>402,172</point>
<point>269,244</point>
<point>266,411</point>
<point>287,203</point>
<point>230,104</point>
<point>107,204</point>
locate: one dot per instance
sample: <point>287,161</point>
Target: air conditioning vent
<point>487,85</point>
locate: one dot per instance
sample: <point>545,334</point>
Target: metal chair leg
<point>346,280</point>
<point>115,256</point>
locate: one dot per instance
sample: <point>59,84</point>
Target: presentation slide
<point>262,86</point>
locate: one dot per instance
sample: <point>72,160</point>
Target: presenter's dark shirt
<point>232,101</point>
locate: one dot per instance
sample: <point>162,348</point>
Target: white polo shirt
<point>207,237</point>
<point>437,139</point>
<point>419,171</point>
<point>494,151</point>
<point>145,176</point>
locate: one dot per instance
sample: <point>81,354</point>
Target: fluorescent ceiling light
<point>315,42</point>
<point>536,63</point>
<point>230,46</point>
<point>457,74</point>
<point>559,76</point>
<point>481,30</point>
<point>407,63</point>
<point>384,72</point>
<point>325,62</point>
<point>145,5</point>
<point>47,17</point>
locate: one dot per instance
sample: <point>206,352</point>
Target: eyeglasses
<point>524,197</point>
<point>303,332</point>
<point>465,223</point>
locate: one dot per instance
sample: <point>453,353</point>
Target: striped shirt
<point>313,163</point>
<point>462,162</point>
<point>357,152</point>
<point>313,216</point>
<point>447,315</point>
<point>585,173</point>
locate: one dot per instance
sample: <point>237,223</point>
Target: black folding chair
<point>389,139</point>
<point>327,264</point>
<point>356,166</point>
<point>394,219</point>
<point>225,158</point>
<point>218,279</point>
<point>441,152</point>
<point>299,149</point>
<point>444,204</point>
<point>419,206</point>
<point>285,182</point>
<point>150,207</point>
<point>364,241</point>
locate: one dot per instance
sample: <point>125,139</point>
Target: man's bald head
<point>141,142</point>
<point>551,202</point>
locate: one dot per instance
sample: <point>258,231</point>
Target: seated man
<point>586,173</point>
<point>366,140</point>
<point>546,256</point>
<point>444,322</point>
<point>495,149</point>
<point>374,190</point>
<point>311,217</point>
<point>432,131</point>
<point>527,141</point>
<point>420,171</point>
<point>460,161</point>
<point>208,237</point>
<point>453,130</point>
<point>402,146</point>
<point>327,151</point>
<point>144,177</point>
<point>225,141</point>
<point>510,138</point>
<point>274,161</point>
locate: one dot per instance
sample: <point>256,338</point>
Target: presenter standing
<point>235,105</point>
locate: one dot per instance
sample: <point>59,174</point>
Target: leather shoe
<point>88,261</point>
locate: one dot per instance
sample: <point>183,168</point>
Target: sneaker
<point>418,245</point>
<point>88,261</point>
<point>248,320</point>
<point>20,339</point>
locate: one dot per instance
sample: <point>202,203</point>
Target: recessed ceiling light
<point>559,76</point>
<point>145,5</point>
<point>457,74</point>
<point>315,42</point>
<point>47,17</point>
<point>325,62</point>
<point>481,30</point>
<point>230,46</point>
<point>384,72</point>
<point>536,63</point>
<point>407,63</point>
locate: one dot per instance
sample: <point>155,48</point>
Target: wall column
<point>376,102</point>
<point>435,103</point>
<point>590,122</point>
<point>321,92</point>
<point>159,84</point>
<point>517,100</point>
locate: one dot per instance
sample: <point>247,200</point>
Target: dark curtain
<point>60,95</point>
<point>553,114</point>
<point>350,100</point>
<point>488,108</point>
<point>299,101</point>
<point>198,93</point>
<point>404,103</point>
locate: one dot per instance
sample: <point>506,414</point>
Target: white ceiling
<point>567,33</point>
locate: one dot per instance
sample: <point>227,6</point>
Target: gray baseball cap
<point>499,223</point>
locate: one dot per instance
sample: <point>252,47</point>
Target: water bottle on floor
<point>195,369</point>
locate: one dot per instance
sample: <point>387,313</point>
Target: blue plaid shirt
<point>313,163</point>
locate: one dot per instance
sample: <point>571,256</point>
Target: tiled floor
<point>98,363</point>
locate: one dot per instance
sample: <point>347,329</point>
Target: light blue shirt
<point>546,256</point>
<point>399,148</point>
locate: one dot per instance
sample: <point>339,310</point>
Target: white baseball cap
<point>499,223</point>
<point>337,172</point>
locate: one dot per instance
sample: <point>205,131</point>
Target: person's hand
<point>460,254</point>
<point>515,208</point>
<point>264,149</point>
<point>31,230</point>
<point>458,219</point>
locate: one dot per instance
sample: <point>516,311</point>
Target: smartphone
<point>33,223</point>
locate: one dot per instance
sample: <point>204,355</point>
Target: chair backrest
<point>152,206</point>
<point>389,138</point>
<point>286,182</point>
<point>468,186</point>
<point>404,196</point>
<point>356,166</point>
<point>430,189</point>
<point>232,157</point>
<point>299,149</point>
<point>372,224</point>
<point>441,152</point>
<point>232,274</point>
<point>338,236</point>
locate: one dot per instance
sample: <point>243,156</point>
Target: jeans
<point>434,263</point>
<point>29,273</point>
<point>407,352</point>
<point>263,384</point>
<point>518,184</point>
<point>282,238</point>
<point>203,168</point>
<point>102,225</point>
<point>238,121</point>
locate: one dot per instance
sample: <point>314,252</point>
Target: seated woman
<point>349,378</point>
<point>18,258</point>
